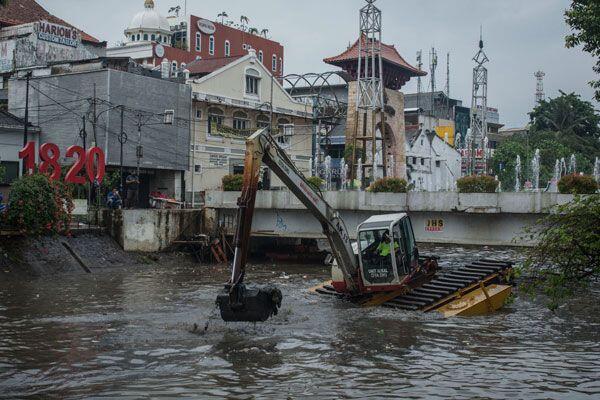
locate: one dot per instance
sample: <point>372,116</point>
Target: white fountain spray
<point>535,170</point>
<point>518,174</point>
<point>563,167</point>
<point>597,170</point>
<point>378,162</point>
<point>310,167</point>
<point>573,165</point>
<point>359,173</point>
<point>328,172</point>
<point>344,175</point>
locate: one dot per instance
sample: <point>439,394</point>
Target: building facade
<point>151,38</point>
<point>229,104</point>
<point>155,117</point>
<point>432,163</point>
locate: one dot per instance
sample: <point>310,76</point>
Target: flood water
<point>126,334</point>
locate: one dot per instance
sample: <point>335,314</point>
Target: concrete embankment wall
<point>438,217</point>
<point>151,230</point>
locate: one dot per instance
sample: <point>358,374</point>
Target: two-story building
<point>232,98</point>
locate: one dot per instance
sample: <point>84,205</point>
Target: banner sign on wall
<point>58,34</point>
<point>7,55</point>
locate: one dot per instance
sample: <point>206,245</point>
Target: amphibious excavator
<point>381,266</point>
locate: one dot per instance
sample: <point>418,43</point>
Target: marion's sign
<point>58,34</point>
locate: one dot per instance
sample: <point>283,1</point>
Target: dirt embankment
<point>82,253</point>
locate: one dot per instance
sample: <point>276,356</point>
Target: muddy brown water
<point>125,334</point>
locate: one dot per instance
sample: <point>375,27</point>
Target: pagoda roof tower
<point>396,70</point>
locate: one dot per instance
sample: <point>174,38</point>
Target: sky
<point>520,38</point>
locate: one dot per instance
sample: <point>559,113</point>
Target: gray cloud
<point>520,38</point>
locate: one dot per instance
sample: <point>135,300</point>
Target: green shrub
<point>39,205</point>
<point>577,184</point>
<point>477,184</point>
<point>2,171</point>
<point>388,185</point>
<point>233,183</point>
<point>315,182</point>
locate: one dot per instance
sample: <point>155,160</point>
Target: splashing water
<point>518,174</point>
<point>597,170</point>
<point>344,175</point>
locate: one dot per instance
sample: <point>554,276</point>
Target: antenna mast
<point>433,61</point>
<point>539,90</point>
<point>419,83</point>
<point>479,111</point>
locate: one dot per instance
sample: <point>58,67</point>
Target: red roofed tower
<point>396,71</point>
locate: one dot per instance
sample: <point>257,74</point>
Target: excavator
<point>382,265</point>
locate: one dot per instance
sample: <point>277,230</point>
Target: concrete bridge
<point>438,217</point>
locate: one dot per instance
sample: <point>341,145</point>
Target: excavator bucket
<point>249,304</point>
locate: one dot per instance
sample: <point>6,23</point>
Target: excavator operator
<point>385,246</point>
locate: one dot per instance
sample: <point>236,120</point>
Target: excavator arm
<point>261,147</point>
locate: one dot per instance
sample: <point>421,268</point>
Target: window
<point>262,121</point>
<point>244,47</point>
<point>198,41</point>
<point>164,39</point>
<point>423,161</point>
<point>138,36</point>
<point>198,113</point>
<point>159,38</point>
<point>281,64</point>
<point>437,163</point>
<point>145,36</point>
<point>227,48</point>
<point>153,37</point>
<point>11,172</point>
<point>174,67</point>
<point>169,117</point>
<point>252,81</point>
<point>285,132</point>
<point>260,56</point>
<point>414,160</point>
<point>211,45</point>
<point>215,117</point>
<point>274,63</point>
<point>133,38</point>
<point>198,168</point>
<point>240,121</point>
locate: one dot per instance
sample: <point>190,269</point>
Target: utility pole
<point>26,119</point>
<point>448,85</point>
<point>95,117</point>
<point>139,154</point>
<point>122,141</point>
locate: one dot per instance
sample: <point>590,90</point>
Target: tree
<point>253,31</point>
<point>222,15</point>
<point>244,21</point>
<point>566,114</point>
<point>264,33</point>
<point>567,254</point>
<point>584,19</point>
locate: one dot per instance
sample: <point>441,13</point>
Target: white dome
<point>149,20</point>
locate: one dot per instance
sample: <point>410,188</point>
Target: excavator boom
<point>261,147</point>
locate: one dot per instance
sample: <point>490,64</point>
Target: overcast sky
<point>520,38</point>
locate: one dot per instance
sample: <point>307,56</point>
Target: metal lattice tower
<point>539,89</point>
<point>479,125</point>
<point>419,83</point>
<point>370,64</point>
<point>433,62</point>
<point>370,97</point>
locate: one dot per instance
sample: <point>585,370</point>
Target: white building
<point>231,100</point>
<point>432,164</point>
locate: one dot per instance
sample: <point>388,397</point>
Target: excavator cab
<point>387,252</point>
